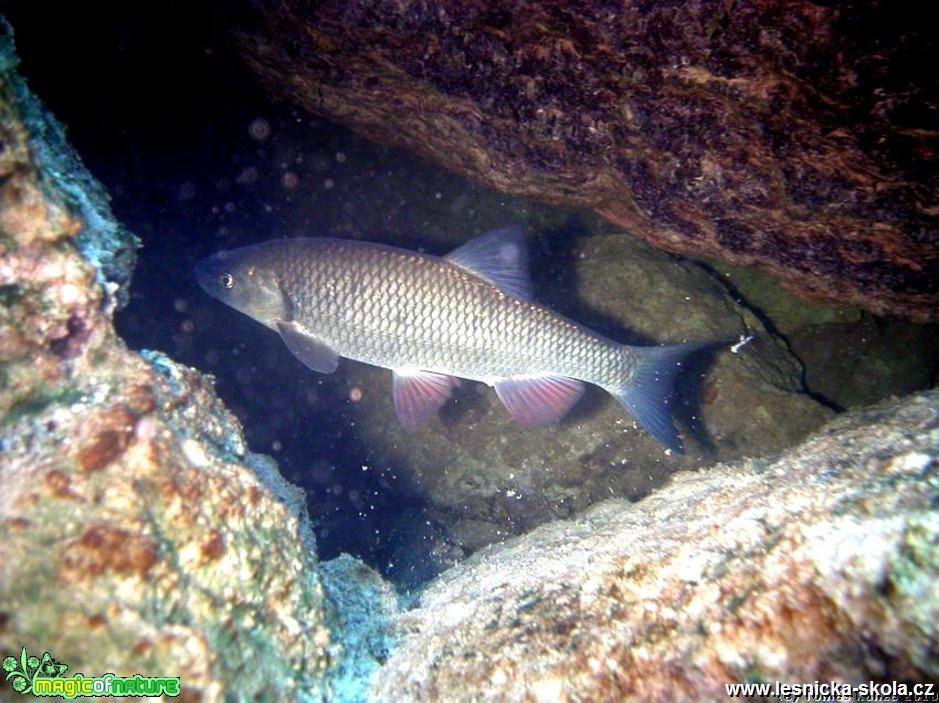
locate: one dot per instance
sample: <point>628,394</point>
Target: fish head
<point>242,279</point>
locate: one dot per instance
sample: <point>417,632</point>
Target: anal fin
<point>539,400</point>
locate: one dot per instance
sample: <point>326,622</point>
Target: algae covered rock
<point>137,534</point>
<point>819,565</point>
<point>143,546</point>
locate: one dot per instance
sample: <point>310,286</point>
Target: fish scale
<point>434,319</point>
<point>411,300</point>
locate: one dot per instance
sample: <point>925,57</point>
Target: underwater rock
<point>137,534</point>
<point>851,364</point>
<point>138,537</point>
<point>366,605</point>
<point>791,136</point>
<point>485,479</point>
<point>818,565</point>
<point>102,239</point>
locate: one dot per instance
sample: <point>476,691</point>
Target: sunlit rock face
<point>788,136</point>
<point>820,565</point>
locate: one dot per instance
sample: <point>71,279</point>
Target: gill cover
<point>245,283</point>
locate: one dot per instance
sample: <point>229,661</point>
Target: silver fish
<point>432,320</point>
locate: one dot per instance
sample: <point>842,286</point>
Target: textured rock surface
<point>820,565</point>
<point>102,240</point>
<point>792,136</point>
<point>143,545</point>
<point>137,534</point>
<point>367,604</point>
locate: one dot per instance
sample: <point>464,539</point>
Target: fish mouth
<point>207,273</point>
<point>203,275</point>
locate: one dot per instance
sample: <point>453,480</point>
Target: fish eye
<point>226,281</point>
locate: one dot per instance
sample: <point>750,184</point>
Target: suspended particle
<point>248,175</point>
<point>289,180</point>
<point>259,129</point>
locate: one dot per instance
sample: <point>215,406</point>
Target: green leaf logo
<point>50,668</point>
<point>25,670</point>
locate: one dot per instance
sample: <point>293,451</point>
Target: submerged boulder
<point>818,565</point>
<point>792,136</point>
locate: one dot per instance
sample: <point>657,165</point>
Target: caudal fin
<point>646,395</point>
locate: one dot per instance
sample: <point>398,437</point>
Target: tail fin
<point>646,395</point>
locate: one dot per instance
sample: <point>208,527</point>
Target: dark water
<point>197,159</point>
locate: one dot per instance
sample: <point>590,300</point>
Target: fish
<point>434,320</point>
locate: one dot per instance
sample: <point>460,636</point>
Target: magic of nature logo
<point>44,676</point>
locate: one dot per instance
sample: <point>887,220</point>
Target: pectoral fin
<point>312,352</point>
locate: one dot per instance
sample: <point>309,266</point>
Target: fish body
<point>432,320</point>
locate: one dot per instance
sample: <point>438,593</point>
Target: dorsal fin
<point>500,257</point>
